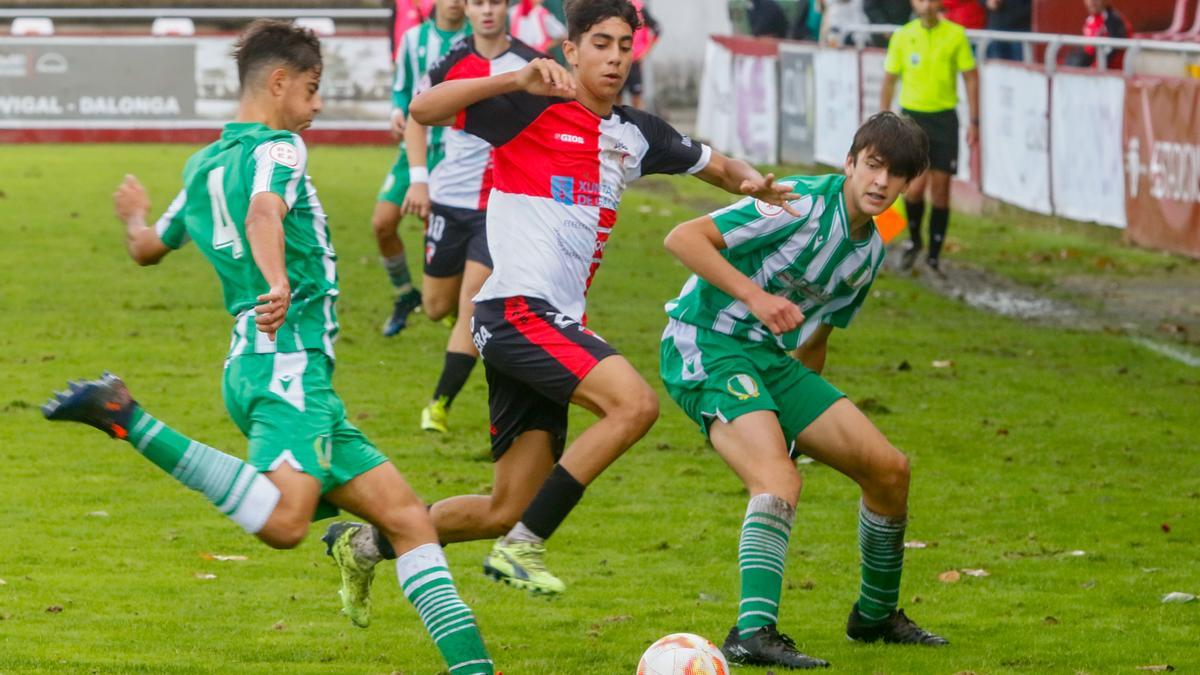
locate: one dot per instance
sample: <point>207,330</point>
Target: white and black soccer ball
<point>683,654</point>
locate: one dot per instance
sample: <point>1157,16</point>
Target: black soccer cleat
<point>104,403</point>
<point>403,306</point>
<point>935,266</point>
<point>909,256</point>
<point>767,647</point>
<point>897,629</point>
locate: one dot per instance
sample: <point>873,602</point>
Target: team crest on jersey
<point>285,154</point>
<point>742,386</point>
<point>770,210</point>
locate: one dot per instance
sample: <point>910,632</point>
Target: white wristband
<point>418,174</point>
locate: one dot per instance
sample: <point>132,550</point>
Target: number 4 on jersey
<point>225,233</point>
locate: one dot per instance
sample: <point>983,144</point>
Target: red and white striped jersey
<point>559,173</point>
<point>463,177</point>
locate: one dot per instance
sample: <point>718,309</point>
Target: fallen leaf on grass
<point>222,558</point>
<point>1178,598</point>
<point>976,572</point>
<point>1078,554</point>
<point>943,364</point>
<point>915,544</point>
<point>205,575</point>
<point>54,609</point>
<point>1090,583</point>
<point>965,672</point>
<point>99,514</point>
<point>644,209</point>
<point>1050,621</point>
<point>279,625</point>
<point>1166,527</point>
<point>1164,668</point>
<point>904,366</point>
<point>949,577</point>
<point>1002,432</point>
<point>708,597</point>
<point>872,405</point>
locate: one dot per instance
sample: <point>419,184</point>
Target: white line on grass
<point>1183,356</point>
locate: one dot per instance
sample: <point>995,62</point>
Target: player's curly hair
<point>268,42</point>
<point>583,14</point>
<point>898,141</point>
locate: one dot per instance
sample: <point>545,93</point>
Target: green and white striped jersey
<point>218,183</point>
<point>809,260</point>
<point>420,47</point>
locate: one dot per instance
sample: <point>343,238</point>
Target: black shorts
<point>534,357</point>
<point>452,237</point>
<point>633,83</point>
<point>942,130</point>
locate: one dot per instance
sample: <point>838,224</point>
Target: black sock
<point>916,214</point>
<point>557,496</point>
<point>455,373</point>
<point>939,222</point>
<point>384,546</point>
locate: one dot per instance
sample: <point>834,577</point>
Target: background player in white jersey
<point>742,355</point>
<point>419,47</point>
<point>564,154</point>
<point>457,261</point>
<point>253,212</point>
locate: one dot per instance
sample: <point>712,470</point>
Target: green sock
<point>881,539</point>
<point>237,489</point>
<point>761,554</point>
<point>397,269</point>
<point>425,579</point>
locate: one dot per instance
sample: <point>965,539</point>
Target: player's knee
<point>284,533</point>
<point>403,518</point>
<point>894,472</point>
<point>384,226</point>
<point>502,518</point>
<point>640,409</point>
<point>435,307</point>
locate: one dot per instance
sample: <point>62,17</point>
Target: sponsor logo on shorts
<point>742,386</point>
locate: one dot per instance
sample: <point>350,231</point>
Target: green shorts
<point>713,376</point>
<point>286,406</point>
<point>395,185</point>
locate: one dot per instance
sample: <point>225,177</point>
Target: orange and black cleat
<point>104,403</point>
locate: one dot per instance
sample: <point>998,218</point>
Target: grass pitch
<point>1062,463</point>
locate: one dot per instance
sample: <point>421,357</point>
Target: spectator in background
<point>1102,21</point>
<point>967,13</point>
<point>643,41</point>
<point>927,55</point>
<point>405,15</point>
<point>807,25</point>
<point>766,18</point>
<point>536,26</point>
<point>836,17</point>
<point>1009,15</point>
<point>886,12</point>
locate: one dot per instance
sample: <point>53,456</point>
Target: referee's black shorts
<point>942,129</point>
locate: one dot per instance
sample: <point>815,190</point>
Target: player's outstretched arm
<point>131,203</point>
<point>698,245</point>
<point>738,177</point>
<point>541,77</point>
<point>264,233</point>
<point>812,352</point>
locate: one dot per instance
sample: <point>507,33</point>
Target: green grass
<point>1037,443</point>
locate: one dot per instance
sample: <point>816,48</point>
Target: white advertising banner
<point>871,62</point>
<point>1087,114</point>
<point>714,116</point>
<point>755,90</point>
<point>838,104</point>
<point>1016,136</point>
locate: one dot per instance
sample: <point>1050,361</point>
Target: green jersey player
<point>404,186</point>
<point>253,212</point>
<point>742,355</point>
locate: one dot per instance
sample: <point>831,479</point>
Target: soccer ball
<point>683,654</point>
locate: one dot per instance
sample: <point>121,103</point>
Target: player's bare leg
<point>385,222</point>
<point>384,498</point>
<point>844,439</point>
<point>753,446</point>
<point>439,296</point>
<point>298,496</point>
<point>461,355</point>
<point>517,475</point>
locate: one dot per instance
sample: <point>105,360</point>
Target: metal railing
<point>1054,43</point>
<point>196,13</point>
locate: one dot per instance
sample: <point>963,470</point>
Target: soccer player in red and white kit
<point>564,154</point>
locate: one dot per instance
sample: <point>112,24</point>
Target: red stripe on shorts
<point>537,330</point>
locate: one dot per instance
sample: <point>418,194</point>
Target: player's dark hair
<point>583,14</point>
<point>898,141</point>
<point>268,42</point>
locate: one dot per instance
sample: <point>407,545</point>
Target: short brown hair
<point>583,14</point>
<point>268,42</point>
<point>898,141</point>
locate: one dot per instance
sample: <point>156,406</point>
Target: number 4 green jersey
<point>218,184</point>
<point>810,260</point>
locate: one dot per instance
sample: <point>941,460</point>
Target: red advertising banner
<point>1162,164</point>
